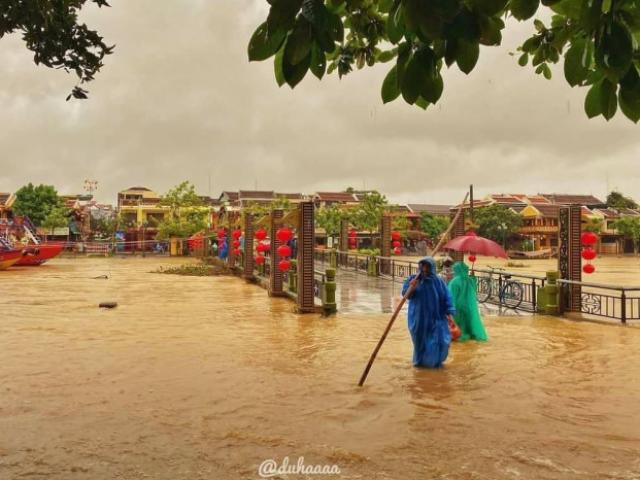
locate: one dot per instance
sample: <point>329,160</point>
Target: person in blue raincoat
<point>430,310</point>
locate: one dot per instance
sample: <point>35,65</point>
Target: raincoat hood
<point>460,269</point>
<point>433,270</point>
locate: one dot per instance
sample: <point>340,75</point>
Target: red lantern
<point>589,238</point>
<point>284,265</point>
<point>236,244</point>
<point>588,253</point>
<point>397,251</point>
<point>395,235</point>
<point>266,246</point>
<point>588,269</point>
<point>396,244</point>
<point>284,251</point>
<point>284,234</point>
<point>260,247</point>
<point>221,234</point>
<point>236,251</point>
<point>472,258</point>
<point>237,234</point>
<point>261,234</point>
<point>259,259</point>
<point>353,233</point>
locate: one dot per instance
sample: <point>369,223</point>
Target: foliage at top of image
<point>50,29</point>
<point>597,40</point>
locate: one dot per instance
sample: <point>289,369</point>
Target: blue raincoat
<point>428,309</point>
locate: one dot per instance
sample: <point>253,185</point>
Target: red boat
<point>9,257</point>
<point>37,254</point>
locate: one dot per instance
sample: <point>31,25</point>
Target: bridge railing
<point>508,289</point>
<point>601,300</point>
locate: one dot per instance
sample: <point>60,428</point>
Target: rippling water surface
<point>204,378</point>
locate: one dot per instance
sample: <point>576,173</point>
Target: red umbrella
<point>472,243</point>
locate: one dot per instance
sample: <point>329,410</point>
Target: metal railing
<point>601,300</point>
<point>518,291</point>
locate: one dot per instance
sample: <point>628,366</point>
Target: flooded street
<point>207,377</point>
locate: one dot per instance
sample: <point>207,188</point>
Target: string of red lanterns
<point>260,235</point>
<point>588,240</point>
<point>283,235</point>
<point>396,243</point>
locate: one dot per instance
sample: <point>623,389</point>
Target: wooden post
<point>569,258</point>
<point>248,247</point>
<point>305,267</point>
<point>385,244</point>
<point>458,231</point>
<point>343,242</point>
<point>275,275</point>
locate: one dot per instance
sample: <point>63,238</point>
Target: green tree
<point>187,213</point>
<point>597,39</point>
<point>329,218</point>
<point>593,225</point>
<point>366,217</point>
<point>58,217</point>
<point>51,30</point>
<point>618,200</point>
<point>36,202</point>
<point>432,225</point>
<point>630,227</point>
<point>400,223</point>
<point>497,223</point>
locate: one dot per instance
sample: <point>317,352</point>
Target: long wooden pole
<point>409,292</point>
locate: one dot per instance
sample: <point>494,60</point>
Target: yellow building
<point>140,207</point>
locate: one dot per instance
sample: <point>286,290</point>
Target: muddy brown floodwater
<point>205,378</point>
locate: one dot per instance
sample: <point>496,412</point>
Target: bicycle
<point>509,292</point>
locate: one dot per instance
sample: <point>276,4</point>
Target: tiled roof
<point>428,208</point>
<point>255,194</point>
<point>568,199</point>
<point>629,212</point>
<point>232,196</point>
<point>608,212</point>
<point>506,199</point>
<point>335,197</point>
<point>290,196</point>
<point>547,210</point>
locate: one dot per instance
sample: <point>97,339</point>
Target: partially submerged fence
<point>601,300</point>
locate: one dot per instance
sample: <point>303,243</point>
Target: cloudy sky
<point>179,100</point>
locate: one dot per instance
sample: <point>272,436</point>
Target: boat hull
<point>9,258</point>
<point>38,254</point>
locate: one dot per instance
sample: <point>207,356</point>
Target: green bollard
<point>372,267</point>
<point>551,293</point>
<point>333,259</point>
<point>293,277</point>
<point>329,292</point>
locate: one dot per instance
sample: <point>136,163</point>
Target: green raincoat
<point>465,300</point>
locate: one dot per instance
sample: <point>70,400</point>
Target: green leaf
<point>282,14</point>
<point>395,24</point>
<point>574,68</point>
<point>385,6</point>
<point>422,103</point>
<point>467,55</point>
<point>263,45</point>
<point>546,71</point>
<point>387,55</point>
<point>412,80</point>
<point>592,102</point>
<point>277,66</point>
<point>490,7</point>
<point>523,60</point>
<point>615,51</point>
<point>491,30</point>
<point>432,88</point>
<point>609,99</point>
<point>629,96</point>
<point>293,74</point>
<point>299,42</point>
<point>524,9</point>
<point>606,6</point>
<point>568,8</point>
<point>390,90</point>
<point>318,65</point>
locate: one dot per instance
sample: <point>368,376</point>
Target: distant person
<point>465,300</point>
<point>430,311</point>
<point>447,271</point>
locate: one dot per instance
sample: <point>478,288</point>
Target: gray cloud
<point>179,100</point>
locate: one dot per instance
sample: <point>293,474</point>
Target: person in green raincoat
<point>465,301</point>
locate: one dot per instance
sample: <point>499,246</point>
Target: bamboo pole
<point>409,292</point>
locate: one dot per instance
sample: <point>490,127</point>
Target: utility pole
<point>471,201</point>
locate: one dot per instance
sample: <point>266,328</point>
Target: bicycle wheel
<point>484,289</point>
<point>512,294</point>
